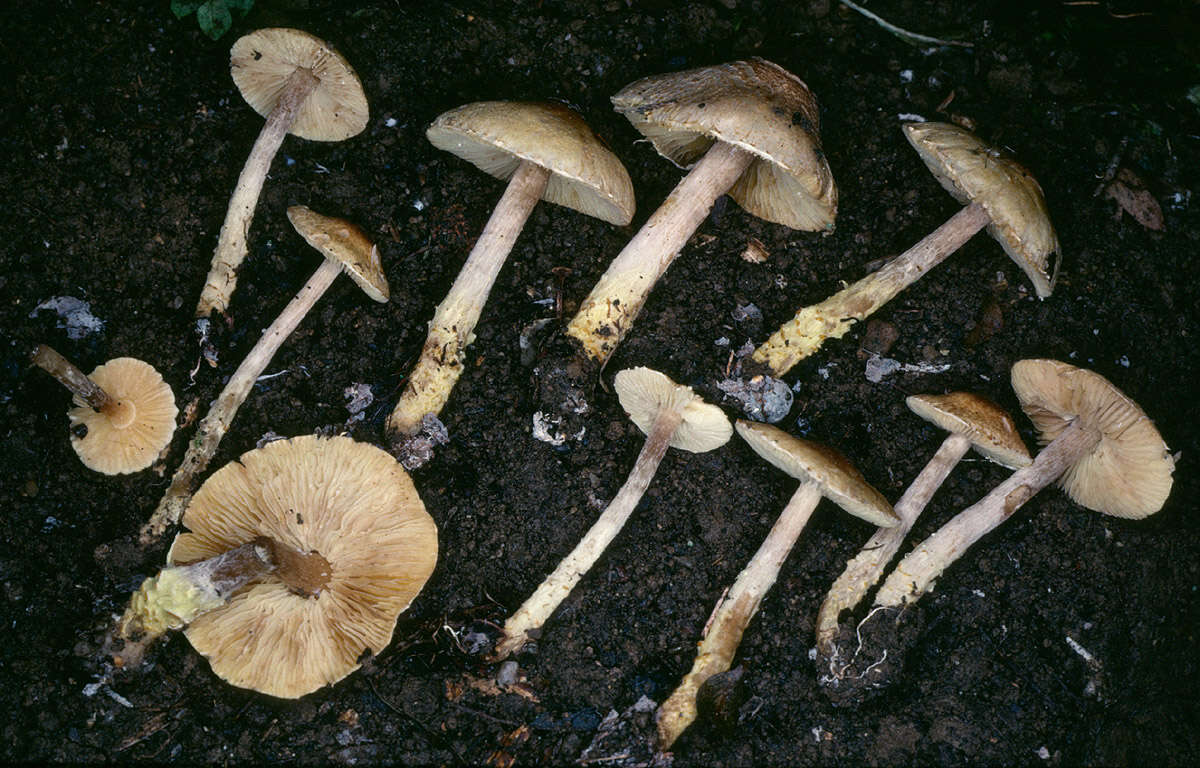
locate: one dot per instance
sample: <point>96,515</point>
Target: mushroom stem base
<point>65,372</point>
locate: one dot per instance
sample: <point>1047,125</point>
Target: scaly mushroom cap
<point>973,171</point>
<point>130,435</point>
<point>838,479</point>
<point>261,63</point>
<point>496,136</point>
<point>349,502</point>
<point>1128,474</point>
<point>990,430</point>
<point>756,105</point>
<point>644,393</point>
<point>345,244</point>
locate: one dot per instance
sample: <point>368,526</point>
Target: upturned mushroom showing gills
<point>347,249</point>
<point>545,152</point>
<point>1099,446</point>
<point>748,129</point>
<point>973,422</point>
<point>334,544</point>
<point>821,471</point>
<point>672,416</point>
<point>124,414</point>
<point>301,86</point>
<point>998,194</point>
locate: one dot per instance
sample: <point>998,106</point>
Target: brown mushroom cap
<point>345,244</point>
<point>756,105</point>
<point>496,136</point>
<point>989,428</point>
<point>838,479</point>
<point>130,435</point>
<point>261,63</point>
<point>973,171</point>
<point>1128,474</point>
<point>349,502</point>
<point>644,393</point>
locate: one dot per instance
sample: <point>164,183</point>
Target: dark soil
<point>124,136</point>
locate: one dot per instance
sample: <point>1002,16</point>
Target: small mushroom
<point>821,471</point>
<point>124,414</point>
<point>999,194</point>
<point>747,128</point>
<point>1100,447</point>
<point>301,86</point>
<point>334,545</point>
<point>671,416</point>
<point>545,152</point>
<point>972,421</point>
<point>346,248</point>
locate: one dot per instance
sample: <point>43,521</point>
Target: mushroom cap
<point>261,63</point>
<point>756,105</point>
<point>348,501</point>
<point>644,393</point>
<point>973,171</point>
<point>838,479</point>
<point>989,428</point>
<point>1128,473</point>
<point>345,244</point>
<point>129,436</point>
<point>496,136</point>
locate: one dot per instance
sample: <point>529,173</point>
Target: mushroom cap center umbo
<point>305,573</point>
<point>121,413</point>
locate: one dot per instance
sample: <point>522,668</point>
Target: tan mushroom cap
<point>345,244</point>
<point>349,502</point>
<point>496,136</point>
<point>130,435</point>
<point>261,63</point>
<point>989,428</point>
<point>1128,474</point>
<point>838,479</point>
<point>644,393</point>
<point>973,171</point>
<point>756,105</point>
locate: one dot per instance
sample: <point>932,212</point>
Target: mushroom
<point>747,128</point>
<point>346,248</point>
<point>301,86</point>
<point>999,194</point>
<point>821,471</point>
<point>1100,447</point>
<point>546,152</point>
<point>339,546</point>
<point>671,416</point>
<point>124,414</point>
<point>972,421</point>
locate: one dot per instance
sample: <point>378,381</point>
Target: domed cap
<point>973,171</point>
<point>645,393</point>
<point>496,136</point>
<point>261,63</point>
<point>129,435</point>
<point>348,502</point>
<point>990,430</point>
<point>1128,473</point>
<point>756,105</point>
<point>345,244</point>
<point>838,479</point>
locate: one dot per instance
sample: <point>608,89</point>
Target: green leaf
<point>183,8</point>
<point>214,18</point>
<point>242,6</point>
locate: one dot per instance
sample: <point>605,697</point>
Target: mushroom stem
<point>231,245</point>
<point>453,324</point>
<point>609,310</point>
<point>534,612</point>
<point>916,572</point>
<point>62,369</point>
<point>733,615</point>
<point>865,568</point>
<point>213,427</point>
<point>804,334</point>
